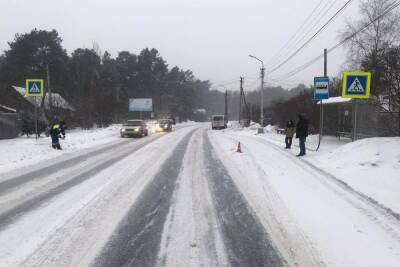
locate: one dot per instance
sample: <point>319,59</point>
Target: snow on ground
<point>24,151</point>
<point>317,219</point>
<point>192,221</point>
<point>73,227</point>
<point>370,166</point>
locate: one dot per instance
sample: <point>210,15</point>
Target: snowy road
<point>186,198</point>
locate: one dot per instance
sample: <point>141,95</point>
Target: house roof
<point>57,100</point>
<point>8,108</point>
<point>335,100</point>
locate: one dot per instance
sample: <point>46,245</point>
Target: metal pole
<point>355,119</point>
<point>36,119</point>
<point>262,97</point>
<point>49,89</point>
<point>321,105</point>
<point>261,129</point>
<point>226,104</point>
<point>325,75</point>
<point>240,99</point>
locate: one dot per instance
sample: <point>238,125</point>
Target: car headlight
<point>122,130</point>
<point>157,125</point>
<point>137,130</point>
<point>165,126</point>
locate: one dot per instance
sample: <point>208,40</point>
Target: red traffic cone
<point>239,148</point>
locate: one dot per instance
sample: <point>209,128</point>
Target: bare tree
<point>382,34</point>
<point>376,49</point>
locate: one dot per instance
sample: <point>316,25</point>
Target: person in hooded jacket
<point>55,133</point>
<point>289,133</point>
<point>302,133</point>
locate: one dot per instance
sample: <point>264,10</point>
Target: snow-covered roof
<point>8,108</point>
<point>56,99</point>
<point>335,100</point>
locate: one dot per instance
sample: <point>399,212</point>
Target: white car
<point>134,128</point>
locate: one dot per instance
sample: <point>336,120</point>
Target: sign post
<point>321,92</point>
<point>35,88</point>
<point>356,85</point>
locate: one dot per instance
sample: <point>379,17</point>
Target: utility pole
<point>49,89</point>
<point>226,105</point>
<point>321,106</point>
<point>262,97</point>
<point>240,99</point>
<point>261,129</point>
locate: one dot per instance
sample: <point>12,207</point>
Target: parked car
<point>134,128</point>
<point>163,125</point>
<point>218,122</point>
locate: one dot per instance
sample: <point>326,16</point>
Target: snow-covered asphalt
<point>186,198</point>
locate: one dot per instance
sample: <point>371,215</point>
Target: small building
<point>372,119</point>
<point>8,122</point>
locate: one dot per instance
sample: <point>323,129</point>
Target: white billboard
<point>141,104</point>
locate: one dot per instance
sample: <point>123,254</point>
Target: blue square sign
<point>321,88</point>
<point>34,87</point>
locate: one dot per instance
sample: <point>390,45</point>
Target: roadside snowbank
<point>370,166</point>
<point>318,221</point>
<point>24,151</point>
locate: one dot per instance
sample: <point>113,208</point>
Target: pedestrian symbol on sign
<point>34,89</point>
<point>356,87</point>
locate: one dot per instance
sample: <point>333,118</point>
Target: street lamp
<point>261,129</point>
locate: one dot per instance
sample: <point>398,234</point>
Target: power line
<point>277,55</point>
<point>311,62</point>
<point>319,18</point>
<point>312,37</point>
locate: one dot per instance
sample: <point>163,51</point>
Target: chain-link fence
<point>371,120</point>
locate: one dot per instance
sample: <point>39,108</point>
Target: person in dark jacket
<point>289,133</point>
<point>302,133</point>
<point>55,134</point>
<point>63,126</point>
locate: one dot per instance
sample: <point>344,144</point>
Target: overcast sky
<point>210,37</point>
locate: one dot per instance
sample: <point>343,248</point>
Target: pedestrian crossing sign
<point>356,84</point>
<point>34,87</point>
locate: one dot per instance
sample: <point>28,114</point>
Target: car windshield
<point>133,123</point>
<point>219,118</point>
<point>163,121</point>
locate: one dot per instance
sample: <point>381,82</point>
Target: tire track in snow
<point>13,182</point>
<point>19,210</point>
<point>379,207</point>
<point>191,235</point>
<point>291,241</point>
<point>387,212</point>
<point>13,179</point>
<point>246,241</point>
<point>137,239</point>
<point>72,228</point>
<point>379,215</point>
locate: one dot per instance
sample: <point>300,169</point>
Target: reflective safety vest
<point>56,126</point>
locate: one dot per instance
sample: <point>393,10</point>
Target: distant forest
<point>98,86</point>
